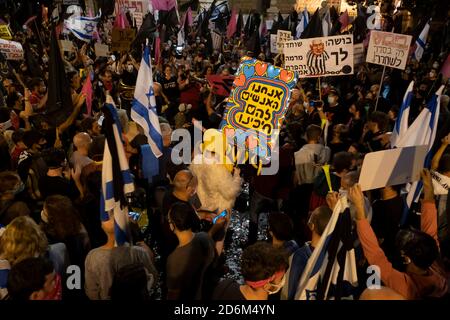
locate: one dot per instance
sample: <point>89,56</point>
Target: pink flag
<point>190,21</point>
<point>87,90</point>
<point>164,5</point>
<point>446,68</point>
<point>157,49</point>
<point>344,20</point>
<point>121,21</point>
<point>231,29</point>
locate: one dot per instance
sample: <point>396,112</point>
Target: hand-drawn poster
<point>258,102</point>
<point>320,57</point>
<point>388,49</point>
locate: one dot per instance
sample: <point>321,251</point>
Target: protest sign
<point>282,37</point>
<point>122,39</point>
<point>358,54</point>
<point>216,40</point>
<point>5,32</point>
<point>101,50</point>
<point>66,45</point>
<point>137,9</point>
<point>273,43</point>
<point>392,167</point>
<point>388,49</point>
<point>258,100</point>
<point>221,85</point>
<point>12,50</point>
<point>319,57</point>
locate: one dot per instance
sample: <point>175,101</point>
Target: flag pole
<point>379,90</point>
<point>320,91</point>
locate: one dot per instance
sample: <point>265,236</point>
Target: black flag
<point>239,24</point>
<point>314,28</point>
<point>59,103</point>
<point>146,30</point>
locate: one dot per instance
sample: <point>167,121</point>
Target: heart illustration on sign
<point>260,68</point>
<point>239,81</point>
<point>249,71</point>
<point>286,75</point>
<point>273,72</point>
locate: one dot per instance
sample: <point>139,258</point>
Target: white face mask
<point>277,286</point>
<point>305,104</point>
<point>44,59</point>
<point>130,68</point>
<point>435,65</point>
<point>331,99</point>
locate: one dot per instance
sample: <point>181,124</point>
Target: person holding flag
<point>143,112</point>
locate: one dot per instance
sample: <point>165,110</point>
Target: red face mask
<point>108,85</point>
<point>56,292</point>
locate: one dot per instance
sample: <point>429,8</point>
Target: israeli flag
<point>421,132</point>
<point>331,270</point>
<point>82,27</point>
<point>116,177</point>
<point>143,110</point>
<point>421,41</point>
<point>303,23</point>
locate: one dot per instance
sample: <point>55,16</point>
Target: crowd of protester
<point>50,181</point>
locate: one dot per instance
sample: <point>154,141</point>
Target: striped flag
<point>116,176</point>
<point>304,20</point>
<point>421,41</point>
<point>82,27</point>
<point>421,132</point>
<point>143,112</point>
<point>331,270</point>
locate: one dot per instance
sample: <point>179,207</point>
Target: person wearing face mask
<point>263,268</point>
<point>10,189</point>
<point>340,113</point>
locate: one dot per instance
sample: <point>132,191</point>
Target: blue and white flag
<point>303,23</point>
<point>331,270</point>
<point>116,177</point>
<point>421,132</point>
<point>421,42</point>
<point>326,23</point>
<point>143,112</point>
<point>82,27</point>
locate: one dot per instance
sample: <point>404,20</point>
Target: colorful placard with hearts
<point>258,102</point>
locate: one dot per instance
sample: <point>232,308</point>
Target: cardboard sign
<point>358,54</point>
<point>392,167</point>
<point>101,50</point>
<point>282,37</point>
<point>5,32</point>
<point>216,40</point>
<point>137,8</point>
<point>221,85</point>
<point>388,49</point>
<point>122,39</point>
<point>273,43</point>
<point>66,45</point>
<point>320,57</point>
<point>12,50</point>
<point>258,101</point>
